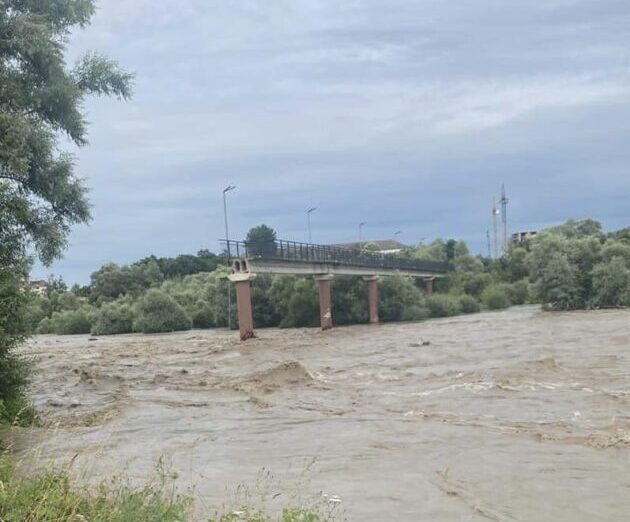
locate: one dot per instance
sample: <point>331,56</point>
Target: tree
<point>557,285</point>
<point>399,299</point>
<point>113,318</point>
<point>41,100</point>
<point>261,240</point>
<point>158,312</point>
<point>496,297</point>
<point>611,283</point>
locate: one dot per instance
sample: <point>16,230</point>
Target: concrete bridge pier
<point>244,304</point>
<point>428,285</point>
<point>325,301</point>
<point>372,287</point>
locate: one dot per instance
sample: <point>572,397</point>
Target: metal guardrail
<point>306,252</point>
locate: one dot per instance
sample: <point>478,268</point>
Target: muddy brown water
<point>512,416</point>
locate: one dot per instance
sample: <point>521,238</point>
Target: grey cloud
<point>406,114</point>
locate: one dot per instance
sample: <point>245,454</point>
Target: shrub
<point>399,299</point>
<point>415,313</point>
<point>518,292</point>
<point>468,304</point>
<point>557,285</point>
<point>113,318</point>
<point>202,316</point>
<point>611,283</point>
<point>495,297</point>
<point>71,322</point>
<point>45,326</point>
<point>475,283</point>
<point>158,312</point>
<point>443,305</point>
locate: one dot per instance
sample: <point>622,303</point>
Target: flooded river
<point>512,416</point>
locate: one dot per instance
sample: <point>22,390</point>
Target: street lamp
<point>361,225</point>
<point>396,234</point>
<point>227,236</point>
<point>308,215</point>
<point>227,239</point>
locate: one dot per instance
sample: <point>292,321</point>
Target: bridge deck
<point>290,257</point>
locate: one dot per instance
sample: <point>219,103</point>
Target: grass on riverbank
<point>51,498</point>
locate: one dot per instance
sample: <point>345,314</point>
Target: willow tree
<point>41,100</point>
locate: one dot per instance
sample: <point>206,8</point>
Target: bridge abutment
<point>325,301</point>
<point>244,304</point>
<point>372,288</point>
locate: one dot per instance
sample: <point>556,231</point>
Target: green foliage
<point>579,229</point>
<point>515,265</point>
<point>496,297</point>
<point>611,283</point>
<point>113,281</point>
<point>443,305</point>
<point>349,300</point>
<point>399,299</point>
<point>468,304</point>
<point>261,240</point>
<point>40,196</point>
<point>156,312</point>
<point>295,299</point>
<point>185,264</point>
<point>71,322</point>
<point>113,318</point>
<point>263,309</point>
<point>518,292</point>
<point>556,283</point>
<point>50,497</point>
<point>40,99</point>
<point>13,370</point>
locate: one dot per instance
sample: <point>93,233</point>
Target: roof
<point>377,244</point>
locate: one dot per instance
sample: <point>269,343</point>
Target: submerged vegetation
<point>571,266</point>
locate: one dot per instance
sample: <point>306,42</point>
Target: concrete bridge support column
<point>325,302</point>
<point>372,284</point>
<point>428,285</point>
<point>244,304</point>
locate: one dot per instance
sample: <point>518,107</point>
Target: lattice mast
<point>504,203</point>
<point>495,213</point>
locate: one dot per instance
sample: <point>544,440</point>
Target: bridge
<point>322,262</point>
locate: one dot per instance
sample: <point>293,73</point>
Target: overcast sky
<point>406,114</point>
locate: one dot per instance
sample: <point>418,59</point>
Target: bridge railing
<point>306,252</point>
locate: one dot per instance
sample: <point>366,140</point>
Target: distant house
<point>381,246</point>
<point>39,287</point>
<point>519,238</point>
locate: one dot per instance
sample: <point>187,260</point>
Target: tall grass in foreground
<point>50,497</point>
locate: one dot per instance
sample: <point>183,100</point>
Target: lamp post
<point>308,216</point>
<point>396,234</point>
<point>361,225</point>
<point>227,239</point>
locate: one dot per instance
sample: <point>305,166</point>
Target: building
<point>39,287</point>
<point>518,238</point>
<point>381,246</point>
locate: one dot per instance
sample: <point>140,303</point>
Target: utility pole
<point>227,239</point>
<point>308,216</point>
<point>488,241</point>
<point>495,213</point>
<point>504,204</point>
<point>361,225</point>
